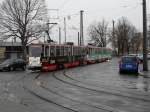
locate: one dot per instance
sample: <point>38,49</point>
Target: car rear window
<point>129,59</point>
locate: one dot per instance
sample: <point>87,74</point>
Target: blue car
<point>129,64</point>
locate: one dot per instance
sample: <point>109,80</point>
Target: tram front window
<point>35,51</point>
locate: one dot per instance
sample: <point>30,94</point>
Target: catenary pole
<point>113,22</point>
<point>78,39</point>
<point>59,35</point>
<point>81,28</point>
<point>65,28</point>
<point>145,64</point>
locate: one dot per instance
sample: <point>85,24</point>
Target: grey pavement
<point>8,101</point>
<point>94,77</point>
<point>9,106</point>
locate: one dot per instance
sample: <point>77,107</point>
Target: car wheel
<point>61,67</point>
<point>136,71</point>
<point>10,68</point>
<point>24,68</point>
<point>120,71</point>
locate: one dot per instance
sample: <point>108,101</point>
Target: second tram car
<point>49,57</point>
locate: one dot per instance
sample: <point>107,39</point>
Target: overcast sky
<point>96,10</point>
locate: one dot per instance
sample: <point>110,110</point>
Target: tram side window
<point>69,51</point>
<point>79,51</point>
<point>46,50</point>
<point>76,50</point>
<point>57,51</point>
<point>52,51</point>
<point>96,50</point>
<point>82,51</point>
<point>90,51</point>
<point>62,51</point>
<point>65,51</point>
<point>73,51</point>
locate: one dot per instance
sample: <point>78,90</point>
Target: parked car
<point>129,64</point>
<point>133,54</point>
<point>13,64</point>
<point>140,56</point>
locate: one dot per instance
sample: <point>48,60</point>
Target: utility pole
<point>81,28</point>
<point>148,32</point>
<point>65,28</point>
<point>113,33</point>
<point>145,64</point>
<point>78,39</point>
<point>59,35</point>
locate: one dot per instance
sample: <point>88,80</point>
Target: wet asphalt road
<point>92,88</point>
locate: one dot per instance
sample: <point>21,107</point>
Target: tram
<point>50,57</point>
<point>34,56</point>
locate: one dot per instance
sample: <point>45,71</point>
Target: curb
<point>144,75</point>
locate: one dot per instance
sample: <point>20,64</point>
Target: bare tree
<point>98,32</point>
<point>136,42</point>
<point>124,37</point>
<point>23,19</point>
<point>124,33</point>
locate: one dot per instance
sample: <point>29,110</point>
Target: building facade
<point>10,50</point>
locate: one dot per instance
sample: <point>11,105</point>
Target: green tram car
<point>49,57</point>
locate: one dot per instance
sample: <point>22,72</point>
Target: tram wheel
<point>61,67</point>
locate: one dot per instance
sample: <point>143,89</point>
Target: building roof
<point>3,44</point>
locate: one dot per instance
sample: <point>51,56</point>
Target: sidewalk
<point>145,74</point>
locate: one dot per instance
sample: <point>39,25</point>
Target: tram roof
<point>52,44</point>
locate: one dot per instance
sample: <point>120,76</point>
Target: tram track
<point>43,98</point>
<point>100,108</point>
<point>99,105</point>
<point>103,107</point>
<point>55,76</point>
<point>48,100</point>
<point>100,90</point>
<point>102,85</point>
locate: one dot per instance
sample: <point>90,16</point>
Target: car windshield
<point>129,59</point>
